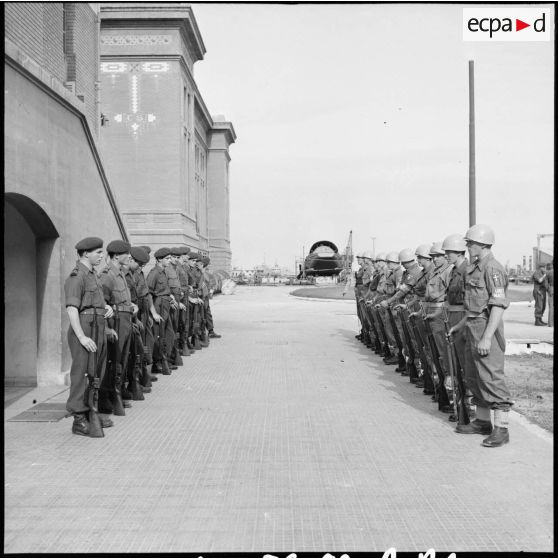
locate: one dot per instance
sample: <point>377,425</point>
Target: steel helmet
<point>482,234</point>
<point>368,255</point>
<point>359,255</point>
<point>436,249</point>
<point>392,257</point>
<point>454,243</point>
<point>423,251</point>
<point>406,255</point>
<point>381,257</point>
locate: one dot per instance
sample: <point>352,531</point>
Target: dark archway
<point>29,241</point>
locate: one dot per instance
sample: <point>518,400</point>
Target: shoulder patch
<point>74,272</point>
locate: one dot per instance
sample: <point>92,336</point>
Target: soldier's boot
<point>117,401</point>
<point>146,378</point>
<point>137,391</point>
<point>204,341</point>
<point>183,347</point>
<point>196,342</point>
<point>401,365</point>
<point>80,425</point>
<point>393,359</point>
<point>177,357</point>
<point>500,434</point>
<point>165,368</point>
<point>539,322</point>
<point>106,421</point>
<point>481,425</point>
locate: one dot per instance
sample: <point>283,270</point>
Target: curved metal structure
<point>323,260</point>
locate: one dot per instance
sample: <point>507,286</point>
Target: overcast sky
<point>356,117</point>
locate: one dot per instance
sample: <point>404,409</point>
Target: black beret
<point>205,260</point>
<point>118,247</point>
<point>194,256</point>
<point>146,248</point>
<point>89,243</point>
<point>175,250</point>
<point>186,250</point>
<point>162,253</point>
<point>182,250</point>
<point>139,254</point>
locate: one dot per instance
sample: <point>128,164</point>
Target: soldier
<point>539,293</point>
<point>210,283</point>
<point>368,269</point>
<point>141,257</point>
<point>176,295</point>
<point>85,305</point>
<point>392,279</point>
<point>158,285</point>
<point>197,307</point>
<point>454,247</point>
<point>183,315</point>
<point>434,298</point>
<point>404,293</point>
<point>358,293</point>
<point>485,302</point>
<point>376,291</point>
<point>550,291</point>
<point>112,399</point>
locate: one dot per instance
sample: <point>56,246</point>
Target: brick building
<point>167,157</point>
<point>56,188</point>
<point>63,181</point>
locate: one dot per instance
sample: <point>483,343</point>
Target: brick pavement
<point>285,435</point>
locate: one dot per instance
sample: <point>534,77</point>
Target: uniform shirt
<point>373,286</point>
<point>358,277</point>
<point>366,276</point>
<point>536,278</point>
<point>550,282</point>
<point>407,282</point>
<point>83,289</point>
<point>381,289</point>
<point>130,281</point>
<point>157,282</point>
<point>174,281</point>
<point>194,275</point>
<point>422,281</point>
<point>141,283</point>
<point>456,287</point>
<point>183,278</point>
<point>437,285</point>
<point>393,277</point>
<point>486,285</point>
<point>204,284</point>
<point>115,288</point>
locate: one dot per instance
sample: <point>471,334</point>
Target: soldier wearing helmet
<point>359,288</point>
<point>485,301</point>
<point>377,291</point>
<point>434,299</point>
<point>539,293</point>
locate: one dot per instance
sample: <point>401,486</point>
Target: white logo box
<point>499,24</point>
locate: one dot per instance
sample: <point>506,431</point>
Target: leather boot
<point>178,358</point>
<point>500,434</point>
<point>539,322</point>
<point>184,350</point>
<point>196,342</point>
<point>204,341</point>
<point>106,422</point>
<point>391,360</point>
<point>402,365</point>
<point>146,378</point>
<point>165,370</point>
<point>80,425</point>
<point>477,426</point>
<point>145,389</point>
<point>214,335</point>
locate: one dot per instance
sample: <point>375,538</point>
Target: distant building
<point>168,158</point>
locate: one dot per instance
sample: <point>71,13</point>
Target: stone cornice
<point>19,61</point>
<point>227,128</point>
<point>156,16</point>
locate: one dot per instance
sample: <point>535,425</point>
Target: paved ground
<point>285,435</point>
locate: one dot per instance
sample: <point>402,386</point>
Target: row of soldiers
<point>439,318</point>
<point>126,328</point>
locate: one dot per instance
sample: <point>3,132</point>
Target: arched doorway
<point>31,295</point>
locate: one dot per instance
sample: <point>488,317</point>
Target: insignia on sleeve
<point>74,272</point>
<point>499,293</point>
<point>498,283</point>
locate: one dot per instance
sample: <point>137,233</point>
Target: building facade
<point>63,182</point>
<point>167,156</point>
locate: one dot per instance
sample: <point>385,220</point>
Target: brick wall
<point>69,54</point>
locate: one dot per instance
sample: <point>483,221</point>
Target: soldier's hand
<point>109,311</point>
<point>398,306</point>
<point>181,306</point>
<point>135,308</point>
<point>157,317</point>
<point>413,314</point>
<point>384,304</point>
<point>112,336</point>
<point>484,346</point>
<point>428,316</point>
<point>88,344</point>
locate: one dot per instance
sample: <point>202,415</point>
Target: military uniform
<point>83,291</point>
<point>117,295</point>
<point>174,284</point>
<point>539,294</point>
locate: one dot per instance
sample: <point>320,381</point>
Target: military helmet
<point>423,251</point>
<point>359,255</point>
<point>406,255</point>
<point>381,257</point>
<point>392,257</point>
<point>482,234</point>
<point>436,249</point>
<point>368,255</point>
<point>454,243</point>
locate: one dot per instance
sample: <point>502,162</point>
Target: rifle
<point>395,331</point>
<point>411,353</point>
<point>136,349</point>
<point>118,405</point>
<point>92,391</point>
<point>379,327</point>
<point>459,405</point>
<point>420,359</point>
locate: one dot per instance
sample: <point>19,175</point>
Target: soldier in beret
<point>141,257</point>
<point>117,294</point>
<point>188,260</point>
<point>86,307</point>
<point>183,316</point>
<point>175,356</point>
<point>158,284</point>
<point>197,305</point>
<point>210,283</point>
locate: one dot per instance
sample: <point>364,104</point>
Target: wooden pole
<point>472,175</point>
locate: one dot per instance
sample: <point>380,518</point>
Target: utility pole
<point>472,172</point>
<point>539,236</point>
